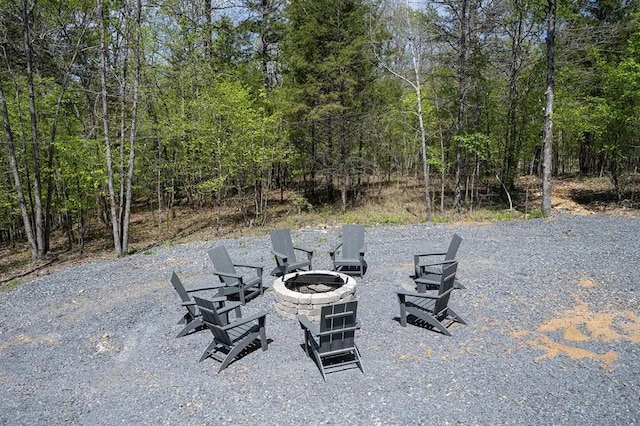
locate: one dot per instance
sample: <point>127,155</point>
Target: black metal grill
<point>314,283</point>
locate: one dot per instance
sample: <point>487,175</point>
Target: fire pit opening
<point>304,293</point>
<point>314,283</point>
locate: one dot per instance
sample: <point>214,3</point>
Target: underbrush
<point>395,204</point>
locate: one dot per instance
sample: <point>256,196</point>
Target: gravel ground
<point>552,336</point>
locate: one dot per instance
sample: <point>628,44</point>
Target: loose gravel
<point>552,336</point>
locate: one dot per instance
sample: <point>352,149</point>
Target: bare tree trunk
<point>107,140</point>
<point>52,140</point>
<point>415,56</point>
<point>133,130</point>
<point>462,89</point>
<point>548,124</point>
<point>415,44</point>
<point>511,136</point>
<point>16,176</point>
<point>38,218</point>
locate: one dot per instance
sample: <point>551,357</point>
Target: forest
<point>109,106</point>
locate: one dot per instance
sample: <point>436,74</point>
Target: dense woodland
<point>107,103</point>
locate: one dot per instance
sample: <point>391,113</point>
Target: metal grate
<point>314,283</point>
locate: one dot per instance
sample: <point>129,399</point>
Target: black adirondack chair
<point>230,338</point>
<point>431,309</point>
<point>284,252</point>
<point>352,253</point>
<point>428,272</point>
<point>335,348</point>
<point>193,319</point>
<point>234,283</point>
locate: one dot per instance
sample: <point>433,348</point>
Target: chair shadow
<point>413,320</point>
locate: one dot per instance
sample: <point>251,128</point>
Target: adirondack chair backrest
<point>453,247</point>
<point>281,243</point>
<point>213,321</point>
<point>182,292</point>
<point>446,284</point>
<point>339,320</point>
<point>352,241</point>
<point>223,263</point>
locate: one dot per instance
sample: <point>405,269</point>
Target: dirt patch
<point>570,331</point>
<point>586,283</point>
<point>585,195</point>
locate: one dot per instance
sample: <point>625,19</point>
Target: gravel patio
<point>552,337</point>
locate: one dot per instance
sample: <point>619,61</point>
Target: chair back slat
<point>222,263</point>
<point>446,284</point>
<point>338,321</point>
<point>213,320</point>
<point>453,247</point>
<point>352,241</point>
<point>282,243</point>
<point>182,292</point>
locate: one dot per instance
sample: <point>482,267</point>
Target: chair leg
<point>241,294</point>
<point>456,317</point>
<point>195,324</point>
<point>264,343</point>
<point>435,323</point>
<point>403,311</point>
<point>306,342</point>
<point>236,350</point>
<point>320,366</point>
<point>457,285</point>
<point>357,354</point>
<point>208,351</point>
<point>186,318</point>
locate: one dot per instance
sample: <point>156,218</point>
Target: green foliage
<point>477,144</point>
<point>216,123</point>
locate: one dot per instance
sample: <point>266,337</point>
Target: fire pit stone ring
<point>305,292</point>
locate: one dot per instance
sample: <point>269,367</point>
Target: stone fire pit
<point>305,292</point>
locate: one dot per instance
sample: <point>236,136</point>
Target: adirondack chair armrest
<point>304,250</point>
<point>334,250</point>
<point>307,325</point>
<point>211,299</point>
<point>444,262</point>
<point>226,274</point>
<point>419,255</point>
<point>258,268</point>
<point>282,257</point>
<point>246,265</point>
<point>422,295</point>
<point>229,306</point>
<point>211,287</point>
<point>363,249</point>
<point>257,316</point>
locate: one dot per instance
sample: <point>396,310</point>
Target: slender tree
<point>410,35</point>
<point>548,113</point>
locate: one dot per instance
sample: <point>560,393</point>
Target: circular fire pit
<point>305,292</point>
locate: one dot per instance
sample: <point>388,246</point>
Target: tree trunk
<point>511,137</point>
<point>415,56</point>
<point>16,176</point>
<point>107,141</point>
<point>462,90</point>
<point>38,217</point>
<point>548,124</point>
<point>133,130</point>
